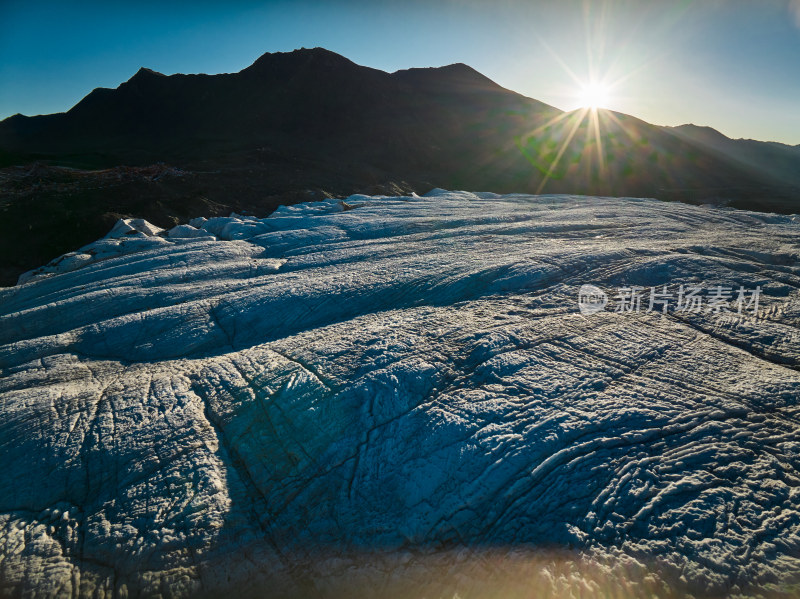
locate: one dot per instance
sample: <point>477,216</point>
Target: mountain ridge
<point>311,123</point>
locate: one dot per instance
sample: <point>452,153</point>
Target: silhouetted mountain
<point>310,122</point>
<point>779,161</point>
<point>313,104</point>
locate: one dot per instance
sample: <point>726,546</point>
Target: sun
<point>593,95</point>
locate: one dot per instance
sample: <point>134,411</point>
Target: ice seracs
<point>405,392</point>
<point>133,226</point>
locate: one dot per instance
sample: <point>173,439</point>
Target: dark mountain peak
<point>459,67</point>
<point>320,53</point>
<point>104,100</point>
<point>457,75</point>
<point>271,62</point>
<point>700,131</point>
<point>144,73</point>
<point>142,84</point>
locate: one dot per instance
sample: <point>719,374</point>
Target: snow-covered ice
<point>374,391</point>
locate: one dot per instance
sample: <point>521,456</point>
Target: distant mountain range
<point>310,123</point>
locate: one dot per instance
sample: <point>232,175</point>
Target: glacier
<point>399,396</point>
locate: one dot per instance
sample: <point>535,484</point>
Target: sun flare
<point>593,95</point>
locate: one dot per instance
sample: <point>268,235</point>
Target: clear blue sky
<point>730,64</point>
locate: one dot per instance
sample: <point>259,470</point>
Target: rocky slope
<point>400,396</point>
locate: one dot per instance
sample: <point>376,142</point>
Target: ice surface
<point>261,403</point>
